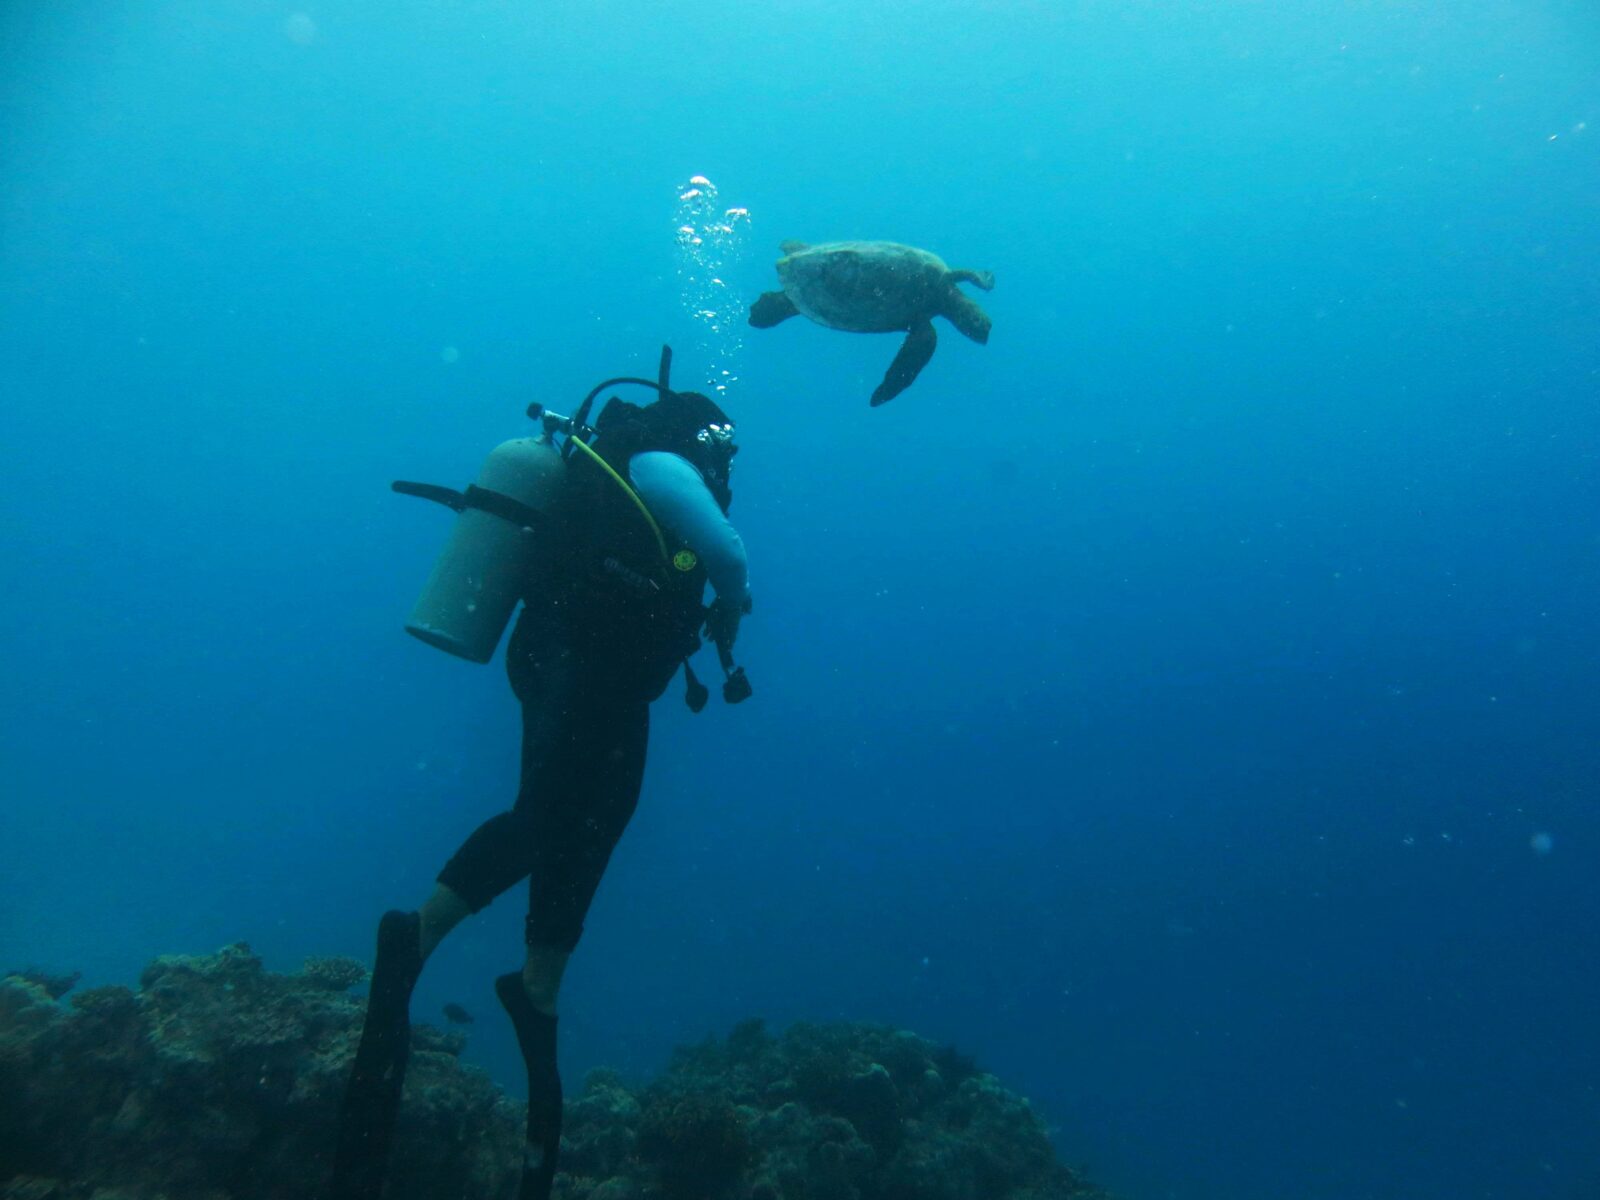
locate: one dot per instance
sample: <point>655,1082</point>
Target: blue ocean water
<point>1186,702</point>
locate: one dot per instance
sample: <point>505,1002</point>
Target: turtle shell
<point>865,287</point>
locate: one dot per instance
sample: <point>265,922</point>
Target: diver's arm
<point>674,492</point>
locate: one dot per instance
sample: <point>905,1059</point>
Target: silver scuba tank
<point>483,568</point>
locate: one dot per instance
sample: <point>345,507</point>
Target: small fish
<point>457,1015</point>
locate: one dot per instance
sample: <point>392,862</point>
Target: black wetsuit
<point>584,734</point>
<point>603,629</point>
<point>607,619</point>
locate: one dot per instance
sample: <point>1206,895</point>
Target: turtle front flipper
<point>983,279</point>
<point>772,309</point>
<point>914,354</point>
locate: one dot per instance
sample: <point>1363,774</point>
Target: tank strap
<point>495,503</point>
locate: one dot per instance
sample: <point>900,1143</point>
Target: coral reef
<point>219,1080</point>
<point>821,1112</point>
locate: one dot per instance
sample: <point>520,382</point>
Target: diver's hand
<point>722,624</point>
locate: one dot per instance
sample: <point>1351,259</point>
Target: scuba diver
<point>608,542</point>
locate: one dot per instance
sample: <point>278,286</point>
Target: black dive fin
<point>914,354</point>
<point>772,309</point>
<point>536,1035</point>
<point>372,1099</point>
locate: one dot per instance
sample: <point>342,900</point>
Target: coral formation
<point>830,1112</point>
<point>221,1079</point>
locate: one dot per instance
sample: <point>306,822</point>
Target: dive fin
<point>772,309</point>
<point>914,354</point>
<point>372,1099</point>
<point>536,1036</point>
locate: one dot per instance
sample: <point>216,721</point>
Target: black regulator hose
<point>582,415</point>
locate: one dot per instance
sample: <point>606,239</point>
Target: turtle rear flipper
<point>965,313</point>
<point>983,279</point>
<point>914,354</point>
<point>772,309</point>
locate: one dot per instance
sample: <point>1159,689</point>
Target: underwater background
<point>1186,703</point>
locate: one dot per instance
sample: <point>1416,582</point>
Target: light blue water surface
<point>1187,702</point>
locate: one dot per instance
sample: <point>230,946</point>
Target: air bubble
<point>710,240</point>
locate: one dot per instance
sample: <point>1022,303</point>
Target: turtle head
<point>796,270</point>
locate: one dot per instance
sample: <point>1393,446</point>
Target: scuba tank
<point>480,574</point>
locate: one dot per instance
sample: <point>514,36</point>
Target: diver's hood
<point>682,415</point>
<point>672,423</point>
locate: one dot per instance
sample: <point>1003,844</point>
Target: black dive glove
<point>722,627</point>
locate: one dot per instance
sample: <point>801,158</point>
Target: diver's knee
<point>439,914</point>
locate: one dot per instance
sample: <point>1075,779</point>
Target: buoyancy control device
<point>505,522</point>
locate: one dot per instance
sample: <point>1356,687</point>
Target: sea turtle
<point>876,287</point>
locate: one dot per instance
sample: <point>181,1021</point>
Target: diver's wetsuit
<point>585,691</point>
<point>585,724</point>
<point>608,618</point>
<point>583,754</point>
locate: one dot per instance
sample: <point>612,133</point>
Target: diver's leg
<point>541,976</point>
<point>495,856</point>
<point>536,1037</point>
<point>492,859</point>
<point>499,853</point>
<point>579,826</point>
<point>529,998</point>
<point>440,913</point>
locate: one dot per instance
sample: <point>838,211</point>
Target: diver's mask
<point>718,441</point>
<point>718,437</point>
